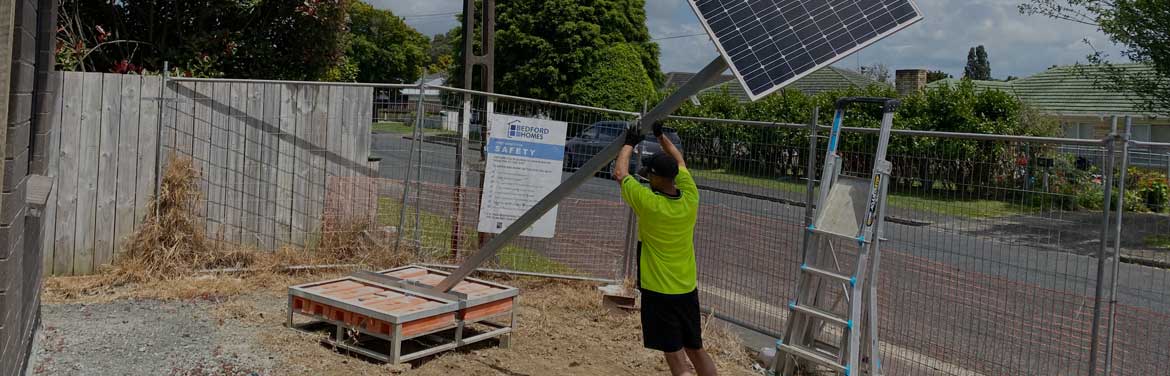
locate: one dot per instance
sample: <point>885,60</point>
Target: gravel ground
<point>139,337</point>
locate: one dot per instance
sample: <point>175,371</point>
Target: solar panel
<point>771,43</point>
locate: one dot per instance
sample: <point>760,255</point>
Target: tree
<point>276,39</point>
<point>383,47</point>
<point>878,72</point>
<point>936,75</point>
<point>544,47</point>
<point>441,53</point>
<point>978,67</point>
<point>622,84</point>
<point>1137,25</point>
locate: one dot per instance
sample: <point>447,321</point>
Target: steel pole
<point>1117,247</point>
<point>1102,252</point>
<point>700,81</point>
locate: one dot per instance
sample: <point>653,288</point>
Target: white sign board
<point>524,159</point>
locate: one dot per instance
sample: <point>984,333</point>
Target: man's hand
<point>634,135</point>
<point>657,129</point>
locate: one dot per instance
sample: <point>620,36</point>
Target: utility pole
<point>485,60</point>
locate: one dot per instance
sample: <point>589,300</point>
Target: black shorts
<point>671,322</point>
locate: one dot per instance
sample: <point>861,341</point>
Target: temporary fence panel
<point>421,197</point>
<point>268,153</point>
<point>247,139</point>
<point>1139,332</point>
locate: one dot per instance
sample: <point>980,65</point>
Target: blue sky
<point>1018,45</point>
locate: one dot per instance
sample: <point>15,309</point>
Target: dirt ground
<point>232,325</point>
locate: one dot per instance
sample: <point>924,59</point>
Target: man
<point>666,253</point>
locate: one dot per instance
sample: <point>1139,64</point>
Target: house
<point>431,94</point>
<point>825,79</point>
<point>1070,95</point>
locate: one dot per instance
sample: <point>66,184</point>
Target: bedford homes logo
<point>518,130</point>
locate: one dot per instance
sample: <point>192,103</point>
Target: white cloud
<point>1018,45</point>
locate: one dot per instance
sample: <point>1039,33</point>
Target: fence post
<point>162,104</point>
<point>811,173</point>
<point>1117,246</point>
<point>416,136</point>
<point>1102,253</point>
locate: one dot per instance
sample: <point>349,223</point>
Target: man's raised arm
<point>668,145</point>
<point>621,166</point>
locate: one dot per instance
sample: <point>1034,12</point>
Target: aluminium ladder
<point>853,210</point>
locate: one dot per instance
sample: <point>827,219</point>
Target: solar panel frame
<point>753,8</point>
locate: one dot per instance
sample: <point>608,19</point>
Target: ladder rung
<point>810,355</point>
<point>821,314</point>
<point>828,274</point>
<point>842,236</point>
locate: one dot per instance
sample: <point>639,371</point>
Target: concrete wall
<point>29,103</point>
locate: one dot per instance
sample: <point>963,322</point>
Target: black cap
<point>660,164</point>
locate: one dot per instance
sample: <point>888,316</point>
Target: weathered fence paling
<point>249,140</point>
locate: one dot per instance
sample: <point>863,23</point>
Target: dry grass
<point>171,242</point>
<point>170,255</point>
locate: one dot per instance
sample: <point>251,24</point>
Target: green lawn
<point>976,208</point>
<point>391,127</point>
<point>1158,241</point>
<point>436,239</point>
<point>401,128</point>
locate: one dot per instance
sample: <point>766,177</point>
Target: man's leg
<point>702,362</point>
<point>677,361</point>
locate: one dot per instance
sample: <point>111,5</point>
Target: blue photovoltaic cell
<point>770,43</point>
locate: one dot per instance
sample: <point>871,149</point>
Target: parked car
<point>590,141</point>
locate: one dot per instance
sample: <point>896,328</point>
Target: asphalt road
<point>1024,305</point>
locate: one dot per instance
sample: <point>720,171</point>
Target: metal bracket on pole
<point>700,81</point>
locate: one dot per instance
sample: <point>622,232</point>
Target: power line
<point>678,36</point>
<point>432,14</point>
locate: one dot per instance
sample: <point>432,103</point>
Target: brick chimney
<point>909,81</point>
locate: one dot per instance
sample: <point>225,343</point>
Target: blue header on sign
<point>525,149</point>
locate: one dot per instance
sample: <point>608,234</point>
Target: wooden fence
<point>268,155</point>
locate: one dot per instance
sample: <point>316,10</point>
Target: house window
<point>1078,130</point>
<point>1140,132</point>
<point>1160,133</point>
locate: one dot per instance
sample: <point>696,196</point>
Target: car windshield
<point>609,133</point>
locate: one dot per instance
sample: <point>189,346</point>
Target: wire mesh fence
<point>998,258</point>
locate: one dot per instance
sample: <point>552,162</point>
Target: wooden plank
<point>319,145</point>
<point>64,244</point>
<point>232,171</point>
<point>253,154</point>
<point>127,160</point>
<point>184,105</point>
<point>200,149</point>
<point>219,165</point>
<point>366,99</point>
<point>302,108</point>
<point>87,175</point>
<point>168,109</point>
<point>336,116</point>
<point>335,122</point>
<point>269,136</point>
<point>52,152</point>
<point>107,173</point>
<point>148,143</point>
<point>286,156</point>
<point>346,151</point>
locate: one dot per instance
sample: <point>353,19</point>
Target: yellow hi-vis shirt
<point>666,227</point>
